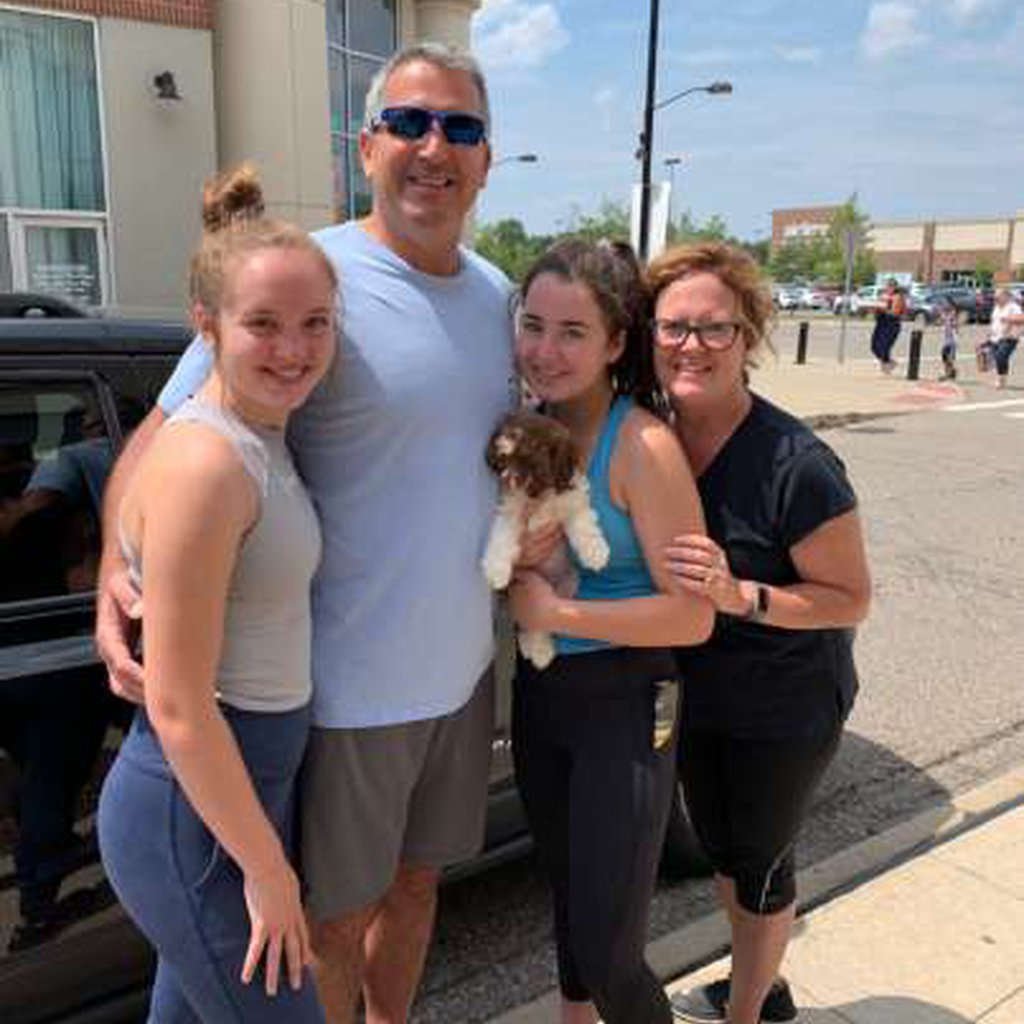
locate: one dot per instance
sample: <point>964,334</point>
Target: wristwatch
<point>759,605</point>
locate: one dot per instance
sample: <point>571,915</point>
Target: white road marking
<point>1014,415</point>
<point>974,406</point>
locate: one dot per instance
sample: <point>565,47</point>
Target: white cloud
<point>799,54</point>
<point>715,55</point>
<point>891,29</point>
<point>965,11</point>
<point>517,34</point>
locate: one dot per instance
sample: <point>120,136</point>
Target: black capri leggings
<point>747,799</point>
<point>594,743</point>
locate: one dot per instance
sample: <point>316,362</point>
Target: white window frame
<point>18,220</point>
<point>67,218</point>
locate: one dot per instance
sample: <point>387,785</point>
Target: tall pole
<point>647,137</point>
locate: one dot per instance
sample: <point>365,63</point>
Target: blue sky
<point>917,105</point>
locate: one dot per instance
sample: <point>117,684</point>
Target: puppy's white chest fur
<point>571,509</point>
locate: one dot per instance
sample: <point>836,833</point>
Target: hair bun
<point>232,196</point>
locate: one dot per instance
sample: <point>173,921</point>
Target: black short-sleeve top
<point>771,485</point>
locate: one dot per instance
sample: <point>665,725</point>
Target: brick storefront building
<point>113,112</point>
<point>930,250</point>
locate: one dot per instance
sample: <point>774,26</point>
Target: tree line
<point>819,257</point>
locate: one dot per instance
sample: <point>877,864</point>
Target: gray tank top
<point>265,658</point>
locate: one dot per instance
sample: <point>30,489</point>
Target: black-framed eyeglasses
<point>412,123</point>
<point>716,336</point>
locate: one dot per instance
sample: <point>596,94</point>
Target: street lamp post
<point>519,158</point>
<point>647,134</point>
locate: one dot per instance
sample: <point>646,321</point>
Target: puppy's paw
<point>594,552</point>
<point>538,648</point>
<point>497,572</point>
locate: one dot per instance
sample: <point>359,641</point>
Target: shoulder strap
<point>250,448</point>
<point>602,456</point>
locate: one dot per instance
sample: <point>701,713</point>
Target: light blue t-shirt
<point>391,445</point>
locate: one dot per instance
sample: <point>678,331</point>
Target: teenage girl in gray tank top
<point>222,541</point>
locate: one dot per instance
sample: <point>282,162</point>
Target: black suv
<point>70,391</point>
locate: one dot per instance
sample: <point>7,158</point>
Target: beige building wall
<point>896,237</point>
<point>158,155</point>
<point>972,235</point>
<point>1017,248</point>
<point>445,21</point>
<point>272,101</point>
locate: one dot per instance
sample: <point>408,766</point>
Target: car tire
<point>682,856</point>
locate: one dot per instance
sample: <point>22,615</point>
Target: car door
<point>64,942</point>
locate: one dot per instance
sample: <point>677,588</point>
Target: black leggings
<point>747,799</point>
<point>597,792</point>
<point>883,337</point>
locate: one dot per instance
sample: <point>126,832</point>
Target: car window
<point>55,454</point>
<point>59,724</point>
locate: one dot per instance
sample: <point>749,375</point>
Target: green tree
<point>822,257</point>
<point>984,271</point>
<point>611,221</point>
<point>507,245</point>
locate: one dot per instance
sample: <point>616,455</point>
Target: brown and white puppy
<point>537,465</point>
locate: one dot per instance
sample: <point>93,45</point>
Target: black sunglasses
<point>458,128</point>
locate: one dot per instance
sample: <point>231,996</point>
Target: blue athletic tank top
<point>626,574</point>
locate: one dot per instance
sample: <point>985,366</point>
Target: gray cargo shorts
<point>373,798</point>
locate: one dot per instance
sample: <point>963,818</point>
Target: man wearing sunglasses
<point>391,446</point>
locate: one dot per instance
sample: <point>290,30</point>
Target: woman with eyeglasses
<point>594,732</point>
<point>784,564</point>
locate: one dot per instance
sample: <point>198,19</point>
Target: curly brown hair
<point>736,269</point>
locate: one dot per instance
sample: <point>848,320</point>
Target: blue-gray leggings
<point>181,888</point>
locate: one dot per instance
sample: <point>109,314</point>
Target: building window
<point>361,35</point>
<point>52,196</point>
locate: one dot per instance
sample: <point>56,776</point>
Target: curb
<point>707,939</point>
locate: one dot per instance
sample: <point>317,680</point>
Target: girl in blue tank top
<point>594,732</point>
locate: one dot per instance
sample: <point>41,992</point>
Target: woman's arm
<point>651,478</point>
<point>117,605</point>
<point>189,546</point>
<point>834,589</point>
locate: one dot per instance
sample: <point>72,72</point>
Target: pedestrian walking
<point>594,732</point>
<point>391,447</point>
<point>948,319</point>
<point>195,816</point>
<point>1004,332</point>
<point>889,315</point>
<point>783,563</point>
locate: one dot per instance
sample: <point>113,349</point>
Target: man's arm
<point>118,608</point>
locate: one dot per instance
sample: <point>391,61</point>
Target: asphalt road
<point>941,706</point>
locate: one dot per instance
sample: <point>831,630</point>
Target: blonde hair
<point>235,225</point>
<point>736,269</point>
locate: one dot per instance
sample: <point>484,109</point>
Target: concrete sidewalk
<point>825,392</point>
<point>938,940</point>
<point>920,924</point>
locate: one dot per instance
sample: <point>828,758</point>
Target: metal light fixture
<point>519,158</point>
<point>166,87</point>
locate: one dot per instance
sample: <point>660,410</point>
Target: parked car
<point>973,304</point>
<point>812,298</point>
<point>860,303</point>
<point>923,306</point>
<point>70,391</point>
<point>787,297</point>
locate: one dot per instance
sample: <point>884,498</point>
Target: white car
<point>861,302</point>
